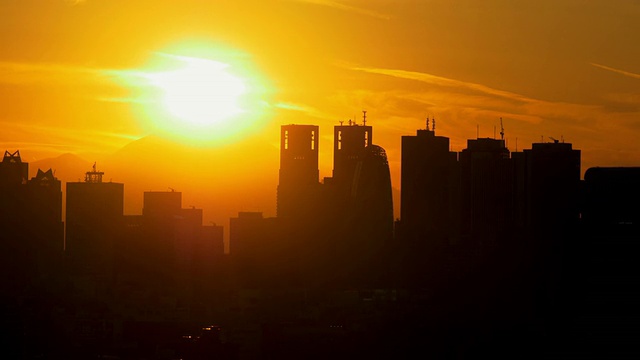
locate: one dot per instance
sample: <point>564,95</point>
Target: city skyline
<point>76,81</point>
<point>80,167</point>
<point>490,241</point>
<point>314,179</point>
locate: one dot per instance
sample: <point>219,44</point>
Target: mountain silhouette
<point>67,167</point>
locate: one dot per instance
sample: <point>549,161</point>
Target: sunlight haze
<point>192,93</point>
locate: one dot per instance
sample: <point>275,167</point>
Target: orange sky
<point>563,69</point>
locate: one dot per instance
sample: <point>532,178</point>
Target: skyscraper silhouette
<point>298,177</point>
<point>94,221</point>
<point>487,201</point>
<point>359,200</point>
<point>428,210</point>
<point>349,143</point>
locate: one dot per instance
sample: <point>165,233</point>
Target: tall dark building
<point>298,177</point>
<point>94,222</point>
<point>358,202</point>
<point>13,171</point>
<point>31,239</point>
<point>13,200</point>
<point>546,219</point>
<point>487,201</point>
<point>429,188</point>
<point>553,183</point>
<point>45,212</point>
<point>161,214</point>
<point>349,144</point>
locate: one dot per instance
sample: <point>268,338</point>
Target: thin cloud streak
<point>55,138</point>
<point>344,7</point>
<point>465,103</point>
<point>625,73</point>
<point>308,110</point>
<point>19,73</point>
<point>445,82</point>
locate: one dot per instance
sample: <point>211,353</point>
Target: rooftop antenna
<point>428,125</point>
<point>172,189</point>
<point>364,117</point>
<point>501,129</point>
<point>555,141</point>
<point>94,176</point>
<point>349,122</point>
<point>433,128</point>
<point>341,121</point>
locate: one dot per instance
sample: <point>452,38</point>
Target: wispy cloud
<point>79,81</point>
<point>75,2</point>
<point>16,73</point>
<point>342,6</point>
<point>56,139</point>
<point>625,73</point>
<point>308,110</point>
<point>462,105</point>
<point>445,82</point>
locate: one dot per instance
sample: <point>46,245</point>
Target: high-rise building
<point>553,182</point>
<point>13,171</point>
<point>31,239</point>
<point>94,222</point>
<point>161,215</point>
<point>428,189</point>
<point>298,177</point>
<point>359,202</point>
<point>349,144</point>
<point>45,213</point>
<point>487,202</point>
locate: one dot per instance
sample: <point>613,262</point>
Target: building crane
<point>501,130</point>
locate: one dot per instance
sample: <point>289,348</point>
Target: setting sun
<point>198,93</point>
<point>201,92</point>
<point>324,179</point>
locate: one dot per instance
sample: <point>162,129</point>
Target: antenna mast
<point>364,117</point>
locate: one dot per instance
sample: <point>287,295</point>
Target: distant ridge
<point>67,167</point>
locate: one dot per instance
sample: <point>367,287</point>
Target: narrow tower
<point>298,176</point>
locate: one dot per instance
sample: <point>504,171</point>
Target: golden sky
<point>74,78</point>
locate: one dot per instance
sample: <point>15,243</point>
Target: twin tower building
<point>349,216</point>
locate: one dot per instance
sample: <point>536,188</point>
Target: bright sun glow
<point>201,92</point>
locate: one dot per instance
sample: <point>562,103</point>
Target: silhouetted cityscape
<point>496,254</point>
